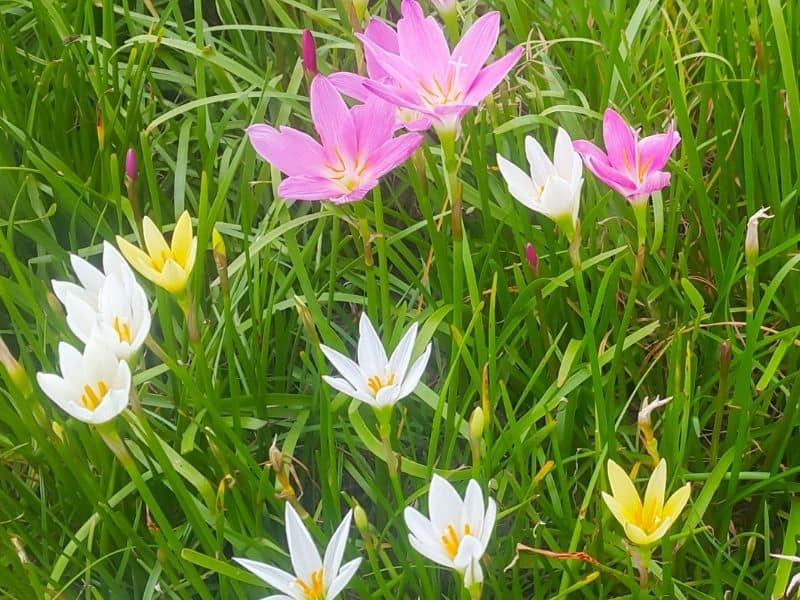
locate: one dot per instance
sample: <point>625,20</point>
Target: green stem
<point>383,259</point>
<point>602,422</point>
<point>385,430</point>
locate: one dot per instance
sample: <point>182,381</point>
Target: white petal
<point>70,361</point>
<point>90,277</point>
<point>304,554</point>
<point>519,183</point>
<point>472,511</point>
<point>100,362</point>
<point>342,385</point>
<point>115,263</point>
<point>558,199</point>
<point>277,578</point>
<point>371,354</point>
<point>435,553</point>
<point>563,155</point>
<point>401,357</point>
<point>541,165</point>
<point>64,290</point>
<point>342,578</point>
<point>469,550</point>
<point>415,373</point>
<point>444,503</point>
<point>488,522</point>
<point>346,367</point>
<point>335,550</point>
<point>113,403</point>
<point>421,528</point>
<point>387,396</point>
<point>81,317</point>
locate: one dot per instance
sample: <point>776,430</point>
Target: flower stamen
<point>376,384</point>
<point>123,330</point>
<point>313,590</point>
<point>91,398</point>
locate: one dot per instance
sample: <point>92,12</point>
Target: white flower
<point>458,531</point>
<point>553,187</point>
<point>794,582</point>
<point>95,386</point>
<point>108,303</point>
<point>314,578</point>
<point>375,379</point>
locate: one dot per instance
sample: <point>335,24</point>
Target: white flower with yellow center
<point>108,303</point>
<point>95,386</point>
<point>375,379</point>
<point>458,531</point>
<point>314,578</point>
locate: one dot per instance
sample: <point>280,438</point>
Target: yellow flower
<point>166,266</point>
<point>644,522</point>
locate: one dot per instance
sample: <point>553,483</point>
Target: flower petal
<point>372,358</point>
<point>332,119</point>
<point>444,503</point>
<point>565,158</point>
<point>541,166</point>
<point>654,150</point>
<point>346,367</point>
<point>291,151</point>
<point>520,185</point>
<point>422,43</point>
<point>623,489</point>
<point>653,183</point>
<point>472,509</point>
<point>620,141</point>
<point>677,501</point>
<point>349,84</point>
<point>301,187</point>
<point>344,386</point>
<point>90,277</point>
<point>374,123</point>
<point>280,580</point>
<point>304,554</point>
<point>488,521</point>
<point>401,356</point>
<point>489,77</point>
<point>394,152</point>
<point>182,238</point>
<point>475,47</point>
<point>342,578</point>
<point>621,513</point>
<point>335,550</point>
<point>154,241</point>
<point>415,373</point>
<point>656,489</point>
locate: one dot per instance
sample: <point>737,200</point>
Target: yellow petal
<point>189,264</point>
<point>620,513</point>
<point>173,277</point>
<point>156,244</point>
<point>182,239</point>
<point>640,538</point>
<point>656,488</point>
<point>623,489</point>
<point>138,259</point>
<point>676,502</point>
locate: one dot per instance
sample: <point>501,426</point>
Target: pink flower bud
<point>131,167</point>
<point>308,52</point>
<point>533,258</point>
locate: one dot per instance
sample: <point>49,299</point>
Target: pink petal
<point>613,178</point>
<point>332,118</point>
<point>654,150</point>
<point>395,95</point>
<point>384,36</point>
<point>489,77</point>
<point>422,43</point>
<point>652,183</point>
<point>350,84</point>
<point>394,153</point>
<point>356,194</point>
<point>375,123</point>
<point>475,47</point>
<point>588,150</point>
<point>422,124</point>
<point>308,188</point>
<point>397,68</point>
<point>291,151</point>
<point>620,141</point>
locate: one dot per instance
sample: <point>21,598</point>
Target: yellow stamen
<point>643,168</point>
<point>123,330</point>
<point>91,399</point>
<point>451,540</point>
<point>314,589</point>
<point>376,384</point>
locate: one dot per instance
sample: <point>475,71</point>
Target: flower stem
<point>602,422</point>
<point>383,261</point>
<point>385,430</point>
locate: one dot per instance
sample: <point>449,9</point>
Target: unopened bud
<point>15,370</point>
<point>724,355</point>
<point>131,166</point>
<point>476,423</point>
<point>220,259</point>
<point>646,425</point>
<point>751,237</point>
<point>101,128</point>
<point>532,257</point>
<point>306,318</point>
<point>360,518</point>
<point>308,53</point>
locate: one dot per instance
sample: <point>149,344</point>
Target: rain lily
<point>352,85</point>
<point>95,386</point>
<point>166,266</point>
<point>794,583</point>
<point>553,188</point>
<point>645,522</point>
<point>630,166</point>
<point>109,303</point>
<point>425,76</point>
<point>377,380</point>
<point>357,148</point>
<point>314,578</point>
<point>458,531</point>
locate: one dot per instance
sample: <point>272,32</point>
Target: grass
<point>80,82</point>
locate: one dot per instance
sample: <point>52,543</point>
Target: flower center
<point>312,590</point>
<point>451,540</point>
<point>438,94</point>
<point>91,398</point>
<point>649,519</point>
<point>123,330</point>
<point>376,384</point>
<point>348,173</point>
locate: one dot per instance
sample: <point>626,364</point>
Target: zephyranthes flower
<point>94,386</point>
<point>629,165</point>
<point>166,266</point>
<point>425,76</point>
<point>109,303</point>
<point>357,148</point>
<point>375,379</point>
<point>553,188</point>
<point>645,522</point>
<point>314,578</point>
<point>458,531</point>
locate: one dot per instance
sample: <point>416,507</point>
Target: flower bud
<point>101,128</point>
<point>308,53</point>
<point>751,237</point>
<point>476,423</point>
<point>360,518</point>
<point>15,370</point>
<point>532,257</point>
<point>724,355</point>
<point>131,166</point>
<point>220,259</point>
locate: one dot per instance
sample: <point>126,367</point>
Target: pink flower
<point>357,148</point>
<point>630,166</point>
<point>423,75</point>
<point>352,85</point>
